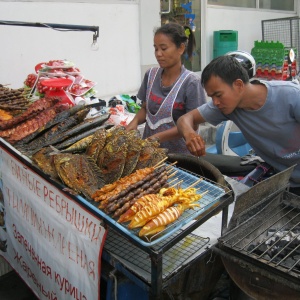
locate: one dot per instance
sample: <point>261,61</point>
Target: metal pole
<point>66,27</point>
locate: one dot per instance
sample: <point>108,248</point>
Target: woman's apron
<point>163,119</point>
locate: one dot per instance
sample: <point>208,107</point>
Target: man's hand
<point>195,144</point>
<point>187,126</point>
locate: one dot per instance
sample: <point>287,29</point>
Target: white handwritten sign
<point>47,237</point>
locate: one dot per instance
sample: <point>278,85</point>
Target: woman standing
<point>170,90</point>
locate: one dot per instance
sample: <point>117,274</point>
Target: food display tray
<point>215,198</point>
<point>212,196</point>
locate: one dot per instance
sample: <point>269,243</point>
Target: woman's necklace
<point>161,83</point>
<point>169,83</point>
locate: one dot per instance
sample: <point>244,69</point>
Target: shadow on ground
<point>12,287</point>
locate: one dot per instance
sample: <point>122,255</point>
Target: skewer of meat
<point>32,111</point>
<point>129,209</point>
<point>136,189</point>
<point>33,124</point>
<point>135,185</point>
<point>112,206</point>
<point>122,186</point>
<point>114,187</point>
<point>114,197</point>
<point>76,114</point>
<point>151,190</point>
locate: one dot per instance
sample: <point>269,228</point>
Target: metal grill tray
<point>213,194</point>
<point>213,198</point>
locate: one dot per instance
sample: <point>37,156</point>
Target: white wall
<point>149,20</point>
<point>247,22</point>
<point>116,66</point>
<point>125,38</point>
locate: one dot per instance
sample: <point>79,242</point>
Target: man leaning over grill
<point>266,112</point>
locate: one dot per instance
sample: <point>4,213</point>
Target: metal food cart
<point>148,267</point>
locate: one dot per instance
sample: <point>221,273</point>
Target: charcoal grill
<point>261,250</point>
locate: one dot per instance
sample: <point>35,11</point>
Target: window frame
<point>255,8</point>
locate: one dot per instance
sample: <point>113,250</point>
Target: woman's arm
<point>138,119</point>
<point>167,135</point>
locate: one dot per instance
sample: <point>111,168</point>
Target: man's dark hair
<point>225,67</point>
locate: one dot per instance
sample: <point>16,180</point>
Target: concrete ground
<point>12,287</point>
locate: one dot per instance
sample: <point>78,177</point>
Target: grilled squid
<point>168,216</point>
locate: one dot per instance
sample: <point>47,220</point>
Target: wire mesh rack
<point>283,30</point>
<point>139,262</point>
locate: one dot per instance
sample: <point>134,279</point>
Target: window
<point>287,5</point>
<point>185,13</point>
<point>234,3</point>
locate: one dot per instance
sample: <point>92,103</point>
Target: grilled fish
<point>79,146</point>
<point>74,139</point>
<point>134,146</point>
<point>60,117</point>
<point>113,132</point>
<point>147,154</point>
<point>44,161</point>
<point>79,128</point>
<point>88,124</point>
<point>111,159</point>
<point>78,172</point>
<point>97,143</point>
<point>159,155</point>
<point>51,134</point>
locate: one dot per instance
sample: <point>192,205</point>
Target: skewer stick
<point>168,167</point>
<point>204,193</point>
<point>172,174</point>
<point>172,164</point>
<point>193,184</point>
<point>173,180</point>
<point>172,170</point>
<point>160,162</point>
<point>177,183</point>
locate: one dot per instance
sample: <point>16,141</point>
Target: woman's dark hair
<point>227,68</point>
<point>179,34</point>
